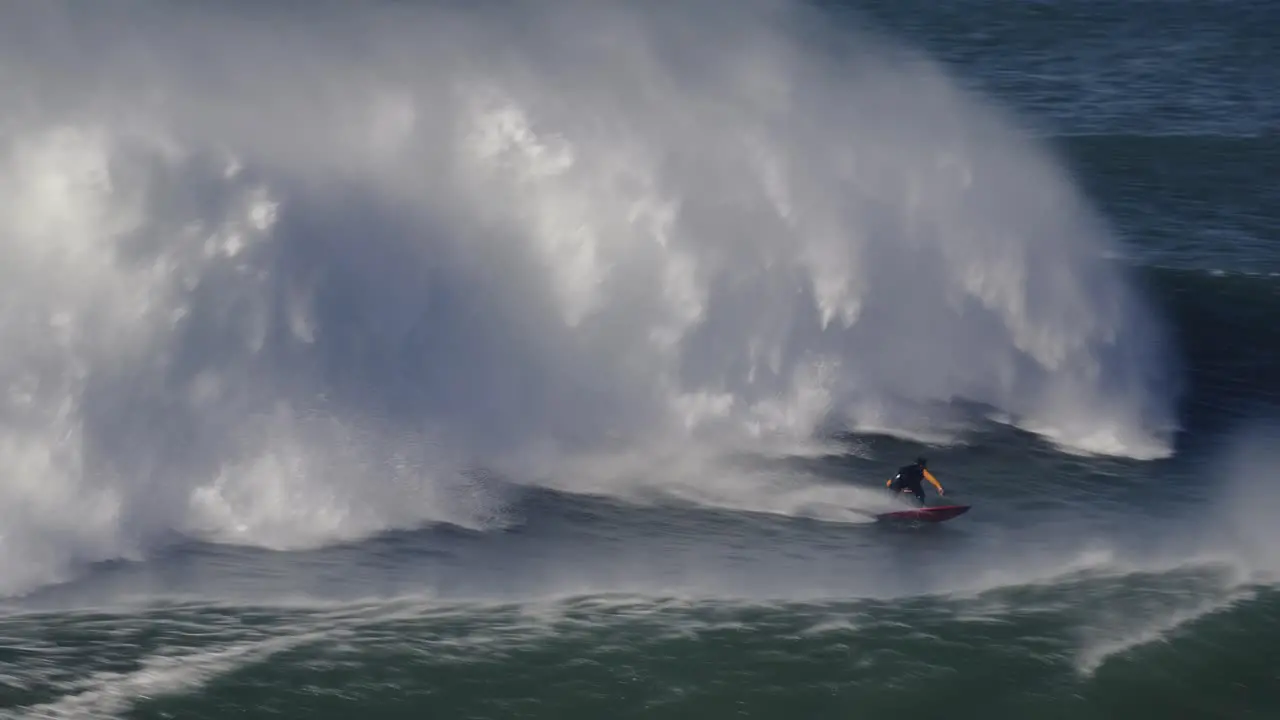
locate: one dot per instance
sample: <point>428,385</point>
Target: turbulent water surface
<point>547,359</point>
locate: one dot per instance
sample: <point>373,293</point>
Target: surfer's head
<point>922,462</point>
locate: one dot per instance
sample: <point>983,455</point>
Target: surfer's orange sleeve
<point>929,476</point>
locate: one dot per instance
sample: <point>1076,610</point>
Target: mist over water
<point>288,283</point>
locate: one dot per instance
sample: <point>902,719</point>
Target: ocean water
<point>547,359</point>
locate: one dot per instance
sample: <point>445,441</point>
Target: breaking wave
<point>284,283</point>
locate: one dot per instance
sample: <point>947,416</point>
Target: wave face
<point>283,279</point>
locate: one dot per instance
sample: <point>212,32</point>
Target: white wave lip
<point>280,279</point>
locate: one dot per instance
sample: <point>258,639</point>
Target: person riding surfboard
<point>909,478</point>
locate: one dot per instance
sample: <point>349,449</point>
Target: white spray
<point>282,278</point>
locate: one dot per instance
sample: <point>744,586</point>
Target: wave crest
<point>559,231</point>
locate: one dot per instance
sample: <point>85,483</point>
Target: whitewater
<point>285,284</point>
<point>548,359</point>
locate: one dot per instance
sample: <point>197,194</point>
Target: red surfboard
<point>926,514</point>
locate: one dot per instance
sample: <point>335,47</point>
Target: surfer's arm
<point>929,476</point>
<point>889,482</point>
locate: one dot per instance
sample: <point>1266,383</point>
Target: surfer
<point>909,477</point>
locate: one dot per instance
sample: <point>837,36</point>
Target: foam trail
<point>282,278</point>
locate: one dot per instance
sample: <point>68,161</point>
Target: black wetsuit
<point>909,477</point>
